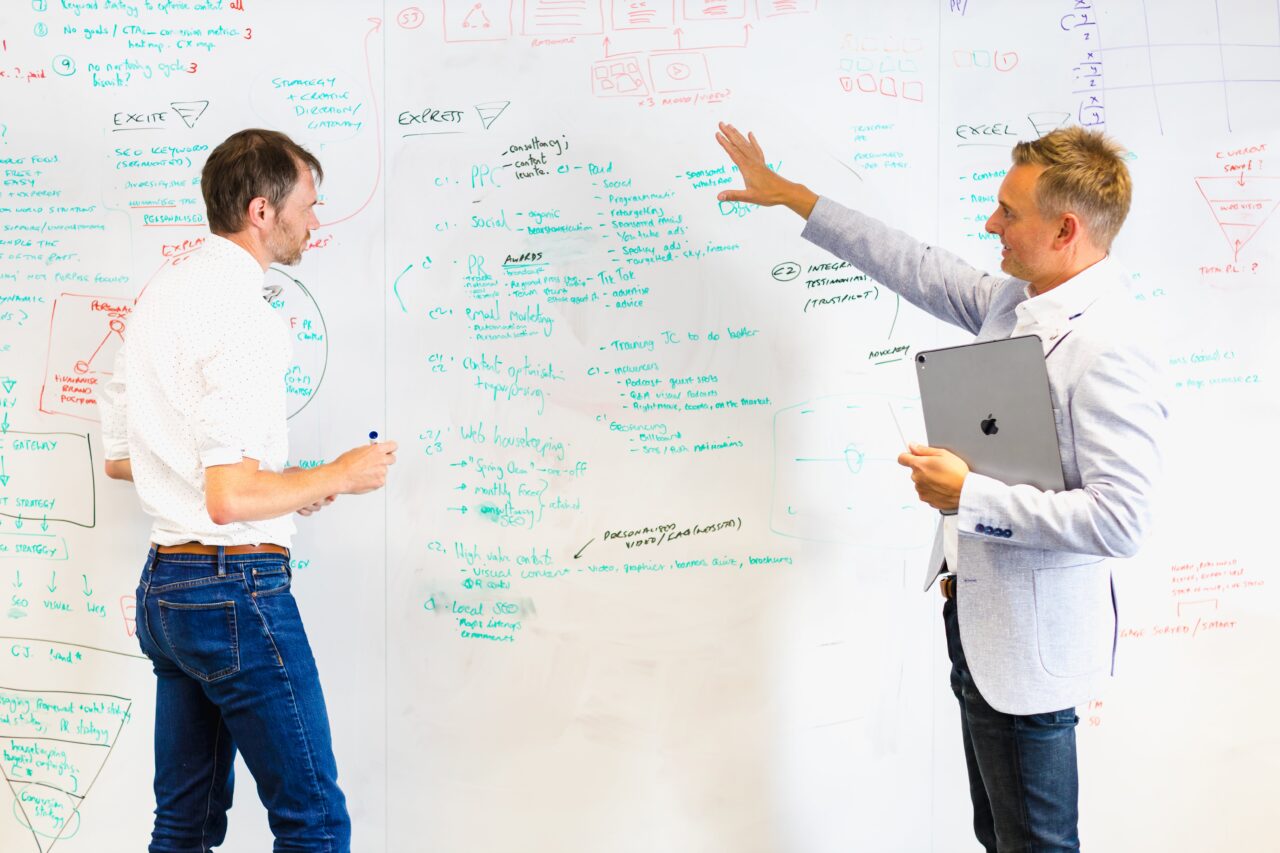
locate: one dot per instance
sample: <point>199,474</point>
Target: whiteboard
<point>646,576</point>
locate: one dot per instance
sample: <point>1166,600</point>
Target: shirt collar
<point>1071,298</point>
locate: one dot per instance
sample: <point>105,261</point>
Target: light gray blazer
<point>1036,603</point>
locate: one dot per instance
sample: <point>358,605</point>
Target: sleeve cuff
<point>976,498</point>
<point>818,228</point>
<point>220,456</point>
<point>114,449</point>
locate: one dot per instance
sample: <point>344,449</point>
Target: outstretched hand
<point>762,185</point>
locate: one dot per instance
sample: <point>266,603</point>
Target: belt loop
<point>151,558</point>
<point>222,561</point>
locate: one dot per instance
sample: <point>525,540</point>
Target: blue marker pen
<point>373,436</point>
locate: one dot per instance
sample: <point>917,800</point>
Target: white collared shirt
<point>200,382</point>
<point>1049,316</point>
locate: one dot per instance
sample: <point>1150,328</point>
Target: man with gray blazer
<point>1030,612</point>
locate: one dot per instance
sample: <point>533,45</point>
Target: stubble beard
<point>281,250</point>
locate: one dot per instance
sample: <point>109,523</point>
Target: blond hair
<point>1084,173</point>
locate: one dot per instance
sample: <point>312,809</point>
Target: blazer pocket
<point>202,638</point>
<point>1074,618</point>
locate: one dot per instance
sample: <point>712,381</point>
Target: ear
<point>1070,230</point>
<point>259,214</point>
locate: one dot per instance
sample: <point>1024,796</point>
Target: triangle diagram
<point>189,111</point>
<point>489,112</point>
<point>476,21</point>
<point>51,772</point>
<point>1241,206</point>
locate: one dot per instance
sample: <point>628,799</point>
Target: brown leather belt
<point>212,550</point>
<point>947,585</point>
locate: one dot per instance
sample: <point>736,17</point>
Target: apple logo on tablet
<point>988,425</point>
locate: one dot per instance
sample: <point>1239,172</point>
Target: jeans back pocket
<point>202,637</point>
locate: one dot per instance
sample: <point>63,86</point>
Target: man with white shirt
<point>1030,609</point>
<point>195,415</point>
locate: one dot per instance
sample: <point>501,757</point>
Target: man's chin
<point>1008,267</point>
<point>290,260</point>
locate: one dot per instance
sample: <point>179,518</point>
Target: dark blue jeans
<point>1022,769</point>
<point>235,672</point>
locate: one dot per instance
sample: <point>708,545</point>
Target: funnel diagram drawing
<point>1241,206</point>
<point>836,476</point>
<point>1044,122</point>
<point>489,112</point>
<point>53,745</point>
<point>189,111</point>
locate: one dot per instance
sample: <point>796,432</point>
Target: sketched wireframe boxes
<point>618,77</point>
<point>679,72</point>
<point>714,10</point>
<point>643,14</point>
<point>560,18</point>
<point>774,8</point>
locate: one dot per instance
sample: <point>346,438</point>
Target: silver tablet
<point>989,404</point>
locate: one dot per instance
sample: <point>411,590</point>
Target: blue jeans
<point>235,671</point>
<point>1022,769</point>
